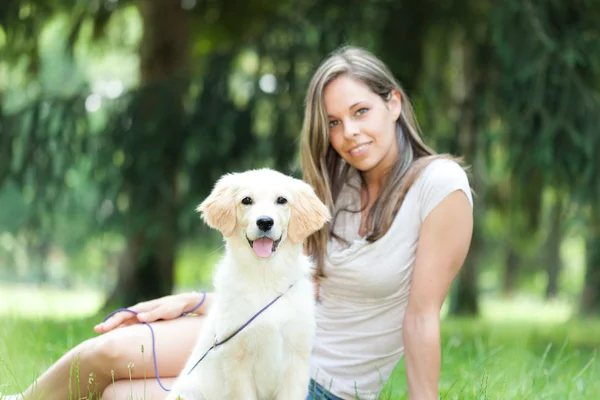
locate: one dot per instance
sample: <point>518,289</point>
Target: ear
<point>309,214</point>
<point>218,209</point>
<point>395,104</point>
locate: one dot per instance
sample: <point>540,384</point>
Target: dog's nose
<point>264,223</point>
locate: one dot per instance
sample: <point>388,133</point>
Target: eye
<point>246,201</point>
<point>361,111</point>
<point>281,200</point>
<point>332,124</point>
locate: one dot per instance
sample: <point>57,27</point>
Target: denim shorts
<point>318,392</point>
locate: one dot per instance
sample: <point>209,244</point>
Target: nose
<point>350,128</point>
<point>264,223</point>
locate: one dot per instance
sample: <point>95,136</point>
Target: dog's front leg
<point>239,377</point>
<point>242,387</point>
<point>296,379</point>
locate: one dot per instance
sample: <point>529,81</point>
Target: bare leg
<point>146,389</point>
<point>118,353</point>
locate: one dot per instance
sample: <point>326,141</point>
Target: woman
<point>401,231</point>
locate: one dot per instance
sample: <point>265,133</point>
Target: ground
<point>519,349</point>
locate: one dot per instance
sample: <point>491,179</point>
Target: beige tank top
<point>363,299</point>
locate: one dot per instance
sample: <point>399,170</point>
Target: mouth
<point>359,150</point>
<point>264,246</point>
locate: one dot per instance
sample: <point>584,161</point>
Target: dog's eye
<point>246,201</point>
<point>281,200</point>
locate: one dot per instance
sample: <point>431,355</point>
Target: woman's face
<point>362,126</point>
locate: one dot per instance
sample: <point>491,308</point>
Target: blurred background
<point>117,117</point>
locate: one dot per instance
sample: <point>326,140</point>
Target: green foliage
<point>45,141</point>
<point>196,261</point>
<point>511,85</point>
<point>13,211</point>
<point>548,56</point>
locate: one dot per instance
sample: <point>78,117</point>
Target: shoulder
<point>440,178</point>
<point>441,172</point>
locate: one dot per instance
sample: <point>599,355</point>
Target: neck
<point>375,179</point>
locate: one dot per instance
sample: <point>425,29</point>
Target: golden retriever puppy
<point>257,337</point>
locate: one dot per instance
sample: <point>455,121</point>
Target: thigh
<point>136,352</point>
<point>146,389</point>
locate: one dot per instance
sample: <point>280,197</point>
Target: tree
<point>157,150</point>
<point>151,143</point>
<point>548,56</point>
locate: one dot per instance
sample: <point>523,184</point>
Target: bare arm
<point>167,307</point>
<point>444,242</point>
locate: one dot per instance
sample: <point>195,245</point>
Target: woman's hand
<point>165,308</point>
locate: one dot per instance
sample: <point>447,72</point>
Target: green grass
<point>514,360</point>
<point>518,350</point>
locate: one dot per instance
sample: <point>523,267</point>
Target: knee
<point>103,355</point>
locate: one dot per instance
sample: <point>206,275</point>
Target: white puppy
<point>264,217</point>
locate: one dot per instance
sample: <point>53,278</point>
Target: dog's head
<point>265,208</point>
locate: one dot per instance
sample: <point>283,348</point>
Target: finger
<point>103,328</point>
<point>155,315</point>
<point>109,326</point>
<point>149,316</point>
<point>114,321</point>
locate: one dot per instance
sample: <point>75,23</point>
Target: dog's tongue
<point>262,247</point>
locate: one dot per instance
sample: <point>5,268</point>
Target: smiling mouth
<point>360,149</point>
<point>263,247</point>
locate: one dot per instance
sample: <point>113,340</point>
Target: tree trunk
<point>465,300</point>
<point>590,298</point>
<point>466,295</point>
<point>6,145</point>
<point>146,270</point>
<point>511,272</point>
<point>554,263</point>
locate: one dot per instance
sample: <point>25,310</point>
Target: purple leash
<point>214,346</point>
<point>152,333</point>
<point>217,343</point>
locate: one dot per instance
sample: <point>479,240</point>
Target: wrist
<point>195,303</point>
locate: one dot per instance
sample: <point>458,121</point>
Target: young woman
<point>401,231</point>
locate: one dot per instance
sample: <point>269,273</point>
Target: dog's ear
<point>309,214</point>
<point>218,209</point>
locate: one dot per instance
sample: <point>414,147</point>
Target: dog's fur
<point>269,359</point>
